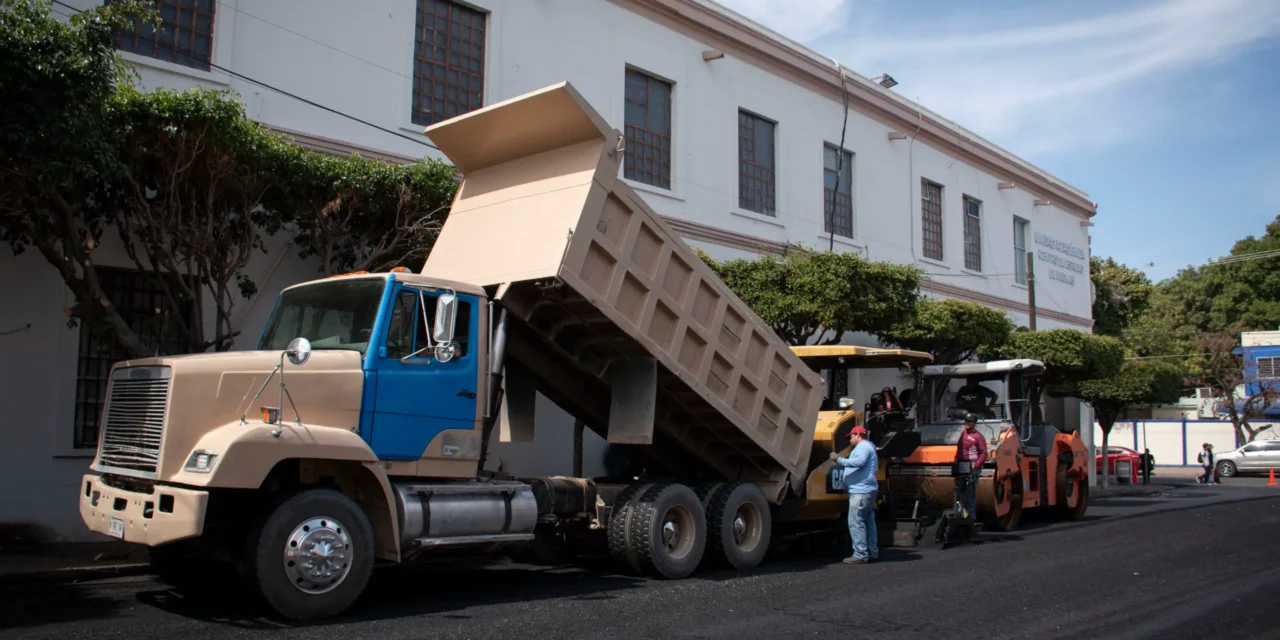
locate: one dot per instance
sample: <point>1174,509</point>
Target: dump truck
<point>1031,464</point>
<point>356,432</point>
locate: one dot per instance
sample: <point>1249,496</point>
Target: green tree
<point>819,296</point>
<point>58,80</point>
<point>1217,365</point>
<point>1122,295</point>
<point>1138,382</point>
<point>1240,292</point>
<point>952,331</point>
<point>185,180</point>
<point>357,214</point>
<point>188,209</point>
<point>1069,357</point>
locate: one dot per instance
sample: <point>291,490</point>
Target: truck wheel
<point>739,526</point>
<point>667,531</point>
<point>312,554</point>
<point>619,517</point>
<point>706,493</point>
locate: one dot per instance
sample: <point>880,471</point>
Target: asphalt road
<point>1190,563</point>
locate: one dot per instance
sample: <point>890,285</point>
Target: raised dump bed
<point>620,323</point>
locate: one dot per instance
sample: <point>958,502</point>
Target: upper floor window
<point>972,234</point>
<point>839,220</point>
<point>185,35</point>
<point>448,61</point>
<point>931,218</point>
<point>648,123</point>
<point>756,162</point>
<point>1020,249</point>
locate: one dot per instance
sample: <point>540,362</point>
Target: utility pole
<point>1031,291</point>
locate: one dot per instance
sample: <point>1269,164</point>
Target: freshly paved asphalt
<point>1192,562</point>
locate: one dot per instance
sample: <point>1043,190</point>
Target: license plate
<point>115,528</point>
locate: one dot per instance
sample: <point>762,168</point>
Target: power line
<point>286,93</point>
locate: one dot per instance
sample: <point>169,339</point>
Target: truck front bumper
<point>167,514</point>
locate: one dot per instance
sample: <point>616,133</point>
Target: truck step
<point>460,540</point>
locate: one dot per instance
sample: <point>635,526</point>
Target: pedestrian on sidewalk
<point>1206,462</point>
<point>859,475</point>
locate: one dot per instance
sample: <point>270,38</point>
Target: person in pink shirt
<point>972,447</point>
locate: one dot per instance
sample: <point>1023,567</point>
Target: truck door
<point>420,397</point>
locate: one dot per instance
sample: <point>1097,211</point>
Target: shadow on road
<point>449,590</point>
<point>397,592</point>
<point>60,604</point>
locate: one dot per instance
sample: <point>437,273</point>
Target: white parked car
<point>1258,456</point>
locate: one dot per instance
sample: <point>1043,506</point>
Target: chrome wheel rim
<point>317,555</point>
<point>678,532</point>
<point>747,527</point>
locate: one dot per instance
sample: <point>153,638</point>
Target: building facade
<point>733,134</point>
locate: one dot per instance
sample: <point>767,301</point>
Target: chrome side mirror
<point>446,318</point>
<point>298,351</point>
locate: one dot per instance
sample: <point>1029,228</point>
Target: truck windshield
<point>331,315</point>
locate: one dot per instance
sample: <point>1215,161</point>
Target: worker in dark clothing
<point>972,447</point>
<point>975,398</point>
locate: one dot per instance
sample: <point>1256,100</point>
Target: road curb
<point>73,574</point>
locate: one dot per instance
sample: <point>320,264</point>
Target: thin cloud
<point>1044,85</point>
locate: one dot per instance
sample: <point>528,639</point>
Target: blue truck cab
<point>419,345</point>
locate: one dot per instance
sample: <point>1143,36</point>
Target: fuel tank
<point>465,512</point>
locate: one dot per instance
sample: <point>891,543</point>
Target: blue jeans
<point>862,525</point>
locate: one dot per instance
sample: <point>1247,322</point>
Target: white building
<point>740,126</point>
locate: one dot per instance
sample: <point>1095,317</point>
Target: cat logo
<point>835,479</point>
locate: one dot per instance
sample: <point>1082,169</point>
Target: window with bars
<point>931,218</point>
<point>972,234</point>
<point>1269,368</point>
<point>141,303</point>
<point>756,177</point>
<point>1020,249</point>
<point>648,124</point>
<point>448,61</point>
<point>185,35</point>
<point>839,219</point>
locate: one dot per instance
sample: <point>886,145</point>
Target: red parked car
<point>1133,459</point>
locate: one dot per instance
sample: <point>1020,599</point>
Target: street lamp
<point>885,81</point>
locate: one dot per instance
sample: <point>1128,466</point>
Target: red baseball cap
<point>860,430</point>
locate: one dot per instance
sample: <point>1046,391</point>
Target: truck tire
<point>706,493</point>
<point>667,531</point>
<point>311,554</point>
<point>619,517</point>
<point>739,526</point>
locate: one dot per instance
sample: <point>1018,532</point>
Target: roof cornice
<point>737,36</point>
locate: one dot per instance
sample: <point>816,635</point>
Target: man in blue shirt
<point>859,475</point>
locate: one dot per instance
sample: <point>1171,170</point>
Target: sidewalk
<point>70,562</point>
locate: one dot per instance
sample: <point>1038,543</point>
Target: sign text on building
<point>1064,273</point>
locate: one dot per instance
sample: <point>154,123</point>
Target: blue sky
<point>1166,112</point>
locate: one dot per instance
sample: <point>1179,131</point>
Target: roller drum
<point>939,491</point>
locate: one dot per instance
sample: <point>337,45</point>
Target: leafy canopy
<point>1122,295</point>
<point>952,331</point>
<point>189,184</point>
<point>811,295</point>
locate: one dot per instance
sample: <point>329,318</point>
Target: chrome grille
<point>133,421</point>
